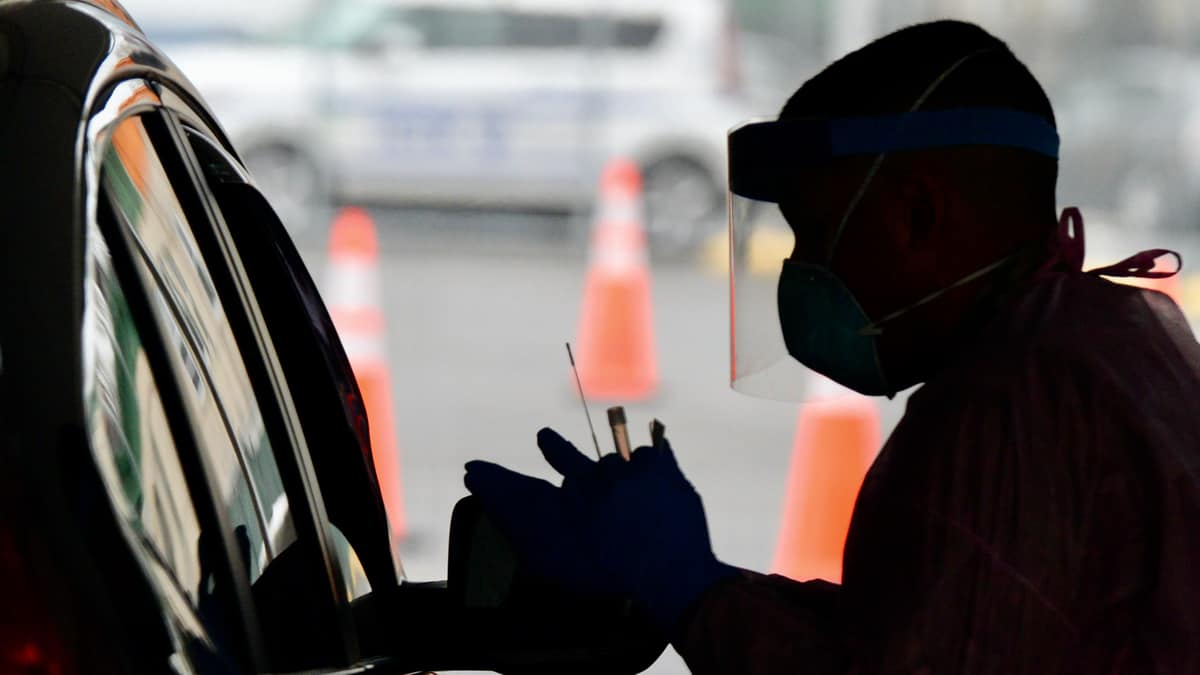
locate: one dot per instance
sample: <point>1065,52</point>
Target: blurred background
<point>475,132</point>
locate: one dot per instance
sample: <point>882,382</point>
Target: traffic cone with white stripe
<point>616,351</point>
<point>353,295</point>
<point>837,438</point>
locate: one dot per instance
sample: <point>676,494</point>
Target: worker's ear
<point>923,209</point>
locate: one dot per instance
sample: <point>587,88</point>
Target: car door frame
<point>291,456</point>
<point>127,99</point>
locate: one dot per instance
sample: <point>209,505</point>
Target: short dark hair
<point>890,75</point>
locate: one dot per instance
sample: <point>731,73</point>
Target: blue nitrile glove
<point>633,528</point>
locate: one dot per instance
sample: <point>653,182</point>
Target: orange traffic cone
<point>837,437</point>
<point>616,353</point>
<point>355,306</point>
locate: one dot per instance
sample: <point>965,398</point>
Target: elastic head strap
<point>876,327</point>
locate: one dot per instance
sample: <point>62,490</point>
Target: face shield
<point>829,332</point>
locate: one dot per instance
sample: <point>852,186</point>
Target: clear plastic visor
<point>760,365</point>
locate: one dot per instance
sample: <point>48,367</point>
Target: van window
<point>635,33</point>
<point>483,28</point>
<point>445,28</point>
<point>545,31</point>
<point>433,27</point>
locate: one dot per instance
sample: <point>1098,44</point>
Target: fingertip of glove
<point>477,471</point>
<point>470,474</point>
<point>647,453</point>
<point>547,435</point>
<point>476,465</point>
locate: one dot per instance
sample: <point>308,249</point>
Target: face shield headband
<point>831,334</point>
<point>765,156</point>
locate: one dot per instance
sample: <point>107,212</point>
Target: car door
<point>318,373</point>
<point>136,446</point>
<point>323,389</point>
<point>249,449</point>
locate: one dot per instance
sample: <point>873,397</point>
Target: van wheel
<point>684,205</point>
<point>294,185</point>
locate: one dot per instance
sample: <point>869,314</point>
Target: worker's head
<point>938,162</point>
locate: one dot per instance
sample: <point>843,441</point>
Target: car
<point>186,477</point>
<point>485,103</point>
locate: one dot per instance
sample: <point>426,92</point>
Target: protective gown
<point>1037,510</point>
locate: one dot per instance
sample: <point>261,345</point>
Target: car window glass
<point>527,29</point>
<point>128,428</point>
<point>144,202</point>
<point>355,578</point>
<point>340,25</point>
<point>327,398</point>
<point>635,33</point>
<point>135,451</point>
<point>446,28</point>
<point>333,25</point>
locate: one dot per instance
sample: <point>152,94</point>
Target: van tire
<point>684,205</point>
<point>294,184</point>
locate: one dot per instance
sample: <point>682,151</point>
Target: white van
<point>514,103</point>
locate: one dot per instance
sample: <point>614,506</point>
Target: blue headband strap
<point>762,155</point>
<point>942,129</point>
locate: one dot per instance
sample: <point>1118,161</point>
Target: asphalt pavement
<point>478,310</point>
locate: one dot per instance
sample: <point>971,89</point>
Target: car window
<point>185,300</point>
<point>354,578</point>
<point>324,390</point>
<point>346,24</point>
<point>451,28</point>
<point>130,436</point>
<point>635,33</point>
<point>541,30</point>
<point>338,24</point>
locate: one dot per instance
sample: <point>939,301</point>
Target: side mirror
<point>492,615</point>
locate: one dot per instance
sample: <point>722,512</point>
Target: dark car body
<point>172,387</point>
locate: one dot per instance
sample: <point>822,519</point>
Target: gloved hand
<point>635,528</point>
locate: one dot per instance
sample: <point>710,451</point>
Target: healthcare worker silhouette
<point>1037,510</point>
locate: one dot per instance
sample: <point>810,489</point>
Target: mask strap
<point>1069,236</point>
<point>1071,242</point>
<point>875,327</point>
<point>875,166</point>
<point>1141,265</point>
